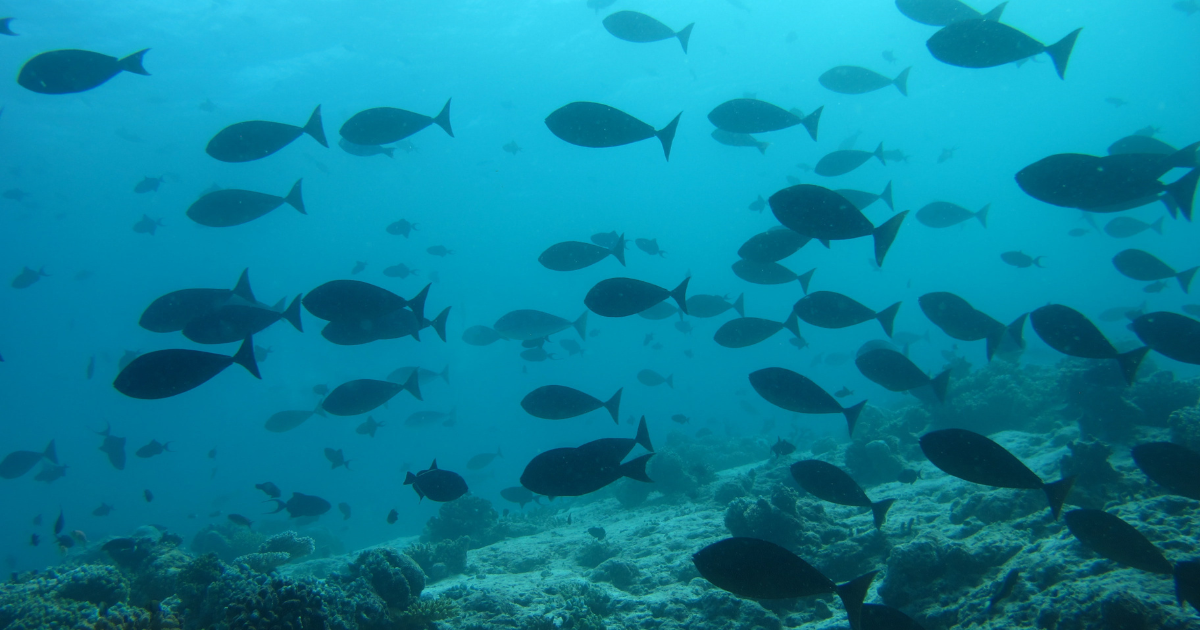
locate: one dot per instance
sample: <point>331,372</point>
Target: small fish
<point>647,339</point>
<point>844,392</point>
<point>597,532</point>
<point>50,472</point>
<point>946,154</point>
<point>1077,232</point>
<point>393,516</point>
<point>208,106</point>
<point>401,228</point>
<point>650,246</point>
<point>238,519</point>
<point>680,419</point>
<point>482,460</point>
<point>358,268</point>
<point>1021,260</point>
<point>344,508</point>
<point>149,184</point>
<point>758,205</point>
<point>146,225</point>
<point>34,540</point>
<point>103,510</point>
<point>1155,287</point>
<point>152,449</point>
<point>781,447</point>
<point>512,148</point>
<point>27,277</point>
<point>149,496</point>
<point>369,427</point>
<point>60,523</point>
<point>399,270</point>
<point>72,71</point>
<point>65,542</point>
<point>439,250</point>
<point>15,194</point>
<point>888,56</point>
<point>269,488</point>
<point>1115,101</point>
<point>336,458</point>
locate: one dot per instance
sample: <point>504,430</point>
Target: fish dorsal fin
<point>242,288</point>
<point>433,466</point>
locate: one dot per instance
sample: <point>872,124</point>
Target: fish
<point>1138,143</point>
<point>362,395</point>
<point>103,510</point>
<point>528,325</point>
<point>481,460</point>
<point>571,346</point>
<point>392,517</point>
<point>1021,260</point>
<point>60,522</point>
<point>908,475</point>
<point>1170,334</point>
<point>399,270</point>
<point>480,336</point>
<point>975,458</point>
<point>983,43</point>
<point>748,115</point>
<point>113,447</point>
<point>757,569</point>
<point>73,71</point>
<point>5,26</point>
<point>1072,334</point>
<point>843,161</point>
<point>146,225</point>
<point>270,489</point>
<point>826,309</point>
<point>773,245</point>
<point>437,484</point>
<point>598,126</point>
<point>1125,227</point>
<point>512,148</point>
<point>944,12</point>
<point>424,418</point>
<point>897,373</point>
<point>65,542</point>
<point>518,495</point>
<point>15,194</point>
<point>861,199</point>
<point>336,458</point>
<point>439,250</point>
<point>622,297</point>
<point>301,505</point>
<point>229,206</point>
<point>17,463</point>
<point>237,320</point>
<point>575,255</point>
<point>558,402</point>
<point>943,214</point>
<point>650,246</point>
<point>28,277</point>
<point>782,447</point>
<point>149,184</point>
<point>706,306</point>
<point>961,321</point>
<point>369,427</point>
<point>794,392</point>
<point>385,125</point>
<point>758,205</point>
<point>574,472</point>
<point>148,496</point>
<point>353,300</point>
<point>769,273</point>
<point>744,332</point>
<point>640,28</point>
<point>830,483</point>
<point>1155,287</point>
<point>1140,265</point>
<point>283,421</point>
<point>34,540</point>
<point>401,228</point>
<point>1169,465</point>
<point>823,214</point>
<point>238,519</point>
<point>153,448</point>
<point>597,532</point>
<point>858,80</point>
<point>50,472</point>
<point>680,419</point>
<point>1076,232</point>
<point>173,311</point>
<point>261,353</point>
<point>731,139</point>
<point>365,150</point>
<point>256,139</point>
<point>651,378</point>
<point>843,392</point>
<point>344,508</point>
<point>166,373</point>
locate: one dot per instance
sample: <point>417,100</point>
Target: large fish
<point>961,321</point>
<point>384,125</point>
<point>640,28</point>
<point>166,373</point>
<point>821,213</point>
<point>71,71</point>
<point>1139,265</point>
<point>1111,183</point>
<point>573,472</point>
<point>362,395</point>
<point>982,43</point>
<point>826,309</point>
<point>895,372</point>
<point>944,12</point>
<point>730,139</point>
<point>748,115</point>
<point>528,325</point>
<point>1170,334</point>
<point>171,312</point>
<point>1172,466</point>
<point>480,336</point>
<point>301,505</point>
<point>237,320</point>
<point>1072,334</point>
<point>622,297</point>
<point>857,80</point>
<point>228,207</point>
<point>354,300</point>
<point>437,484</point>
<point>558,402</point>
<point>256,139</point>
<point>599,126</point>
<point>575,255</point>
<point>843,161</point>
<point>830,483</point>
<point>791,391</point>
<point>747,331</point>
<point>113,447</point>
<point>17,463</point>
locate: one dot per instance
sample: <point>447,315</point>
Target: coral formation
<point>469,517</point>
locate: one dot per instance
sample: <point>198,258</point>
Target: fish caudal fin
<point>666,136</point>
<point>412,385</point>
<point>851,414</point>
<point>1187,583</point>
<point>1056,493</point>
<point>811,121</point>
<point>671,381</point>
<point>445,373</point>
<point>1016,330</point>
<point>636,468</point>
<point>762,147</point>
<point>443,119</point>
<point>886,196</point>
<point>51,453</point>
<point>643,436</point>
<point>792,323</point>
<point>887,318</point>
<point>294,199</point>
<point>580,325</point>
<point>879,511</point>
<point>684,35</point>
<point>292,314</point>
<point>878,153</point>
<point>1060,52</point>
<point>1185,157</point>
<point>613,405</point>
<point>1183,191</point>
<point>680,294</point>
<point>806,278</point>
<point>439,324</point>
<point>994,14</point>
<point>133,63</point>
<point>852,594</point>
<point>1157,226</point>
<point>982,214</point>
<point>1185,278</point>
<point>618,251</point>
<point>245,358</point>
<point>388,151</point>
<point>885,235</point>
<point>939,384</point>
<point>1129,362</point>
<point>739,305</point>
<point>313,127</point>
<point>901,81</point>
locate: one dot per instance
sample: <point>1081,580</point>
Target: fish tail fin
<point>245,357</point>
<point>792,323</point>
<point>1037,262</point>
<point>445,374</point>
<point>388,151</point>
<point>618,250</point>
<point>806,278</point>
<point>636,468</point>
<point>885,235</point>
<point>879,511</point>
<point>1129,362</point>
<point>51,453</point>
<point>1187,583</point>
<point>1060,52</point>
<point>994,14</point>
<point>1016,329</point>
<point>294,199</point>
<point>901,81</point>
<point>1056,493</point>
<point>739,305</point>
<point>292,314</point>
<point>1157,226</point>
<point>666,136</point>
<point>4,28</point>
<point>939,384</point>
<point>580,325</point>
<point>684,35</point>
<point>443,119</point>
<point>1185,157</point>
<point>613,405</point>
<point>887,318</point>
<point>680,294</point>
<point>852,594</point>
<point>1183,191</point>
<point>811,122</point>
<point>409,478</point>
<point>242,288</point>
<point>671,381</point>
<point>643,436</point>
<point>878,153</point>
<point>133,63</point>
<point>279,506</point>
<point>439,324</point>
<point>417,304</point>
<point>1185,278</point>
<point>313,127</point>
<point>762,147</point>
<point>852,414</point>
<point>1171,204</point>
<point>412,386</point>
<point>886,196</point>
<point>982,214</point>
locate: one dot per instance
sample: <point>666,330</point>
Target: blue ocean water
<point>507,66</point>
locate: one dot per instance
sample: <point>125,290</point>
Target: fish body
<point>728,138</point>
<point>622,297</point>
<point>528,325</point>
<point>743,332</point>
<point>1170,334</point>
<point>362,395</point>
<point>944,12</point>
<point>72,71</point>
<point>943,214</point>
<point>270,489</point>
<point>166,373</point>
<point>557,402</point>
<point>482,460</point>
<point>302,505</point>
<point>845,160</point>
<point>1021,260</point>
<point>821,213</point>
<point>365,150</point>
<point>369,427</point>
<point>826,309</point>
<point>794,392</point>
<point>17,463</point>
<point>896,372</point>
<point>229,207</point>
<point>650,378</point>
<point>983,43</point>
<point>385,125</point>
<point>148,184</point>
<point>575,255</point>
<point>27,278</point>
<point>283,421</point>
<point>640,28</point>
<point>595,125</point>
<point>1072,334</point>
<point>437,484</point>
<point>153,448</point>
<point>336,458</point>
<point>256,139</point>
<point>858,80</point>
<point>782,447</point>
<point>830,483</point>
<point>401,228</point>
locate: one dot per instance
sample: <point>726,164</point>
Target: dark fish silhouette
<point>384,125</point>
<point>113,447</point>
<point>50,473</point>
<point>362,395</point>
<point>369,427</point>
<point>269,488</point>
<point>344,508</point>
<point>977,459</point>
<point>1021,260</point>
<point>748,115</point>
<point>557,402</point>
<point>598,126</point>
<point>826,309</point>
<point>782,447</point>
<point>830,483</point>
<point>982,43</point>
<point>773,245</point>
<point>769,273</point>
<point>728,138</point>
<point>229,207</point>
<point>439,485</point>
<point>1170,334</point>
<point>439,250</point>
<point>574,472</point>
<point>650,246</point>
<point>747,331</point>
<point>791,391</point>
<point>856,80</point>
<point>60,522</point>
<point>282,421</point>
<point>481,460</point>
<point>399,270</point>
<point>1072,334</point>
<point>166,373</point>
<point>237,320</point>
<point>650,378</point>
<point>706,306</point>
<point>153,448</point>
<point>861,199</point>
<point>336,458</point>
<point>518,495</point>
<point>146,225</point>
<point>171,312</point>
<point>1139,265</point>
<point>148,496</point>
<point>480,336</point>
<point>757,569</point>
<point>897,373</point>
<point>1125,227</point>
<point>880,617</point>
<point>622,297</point>
<point>103,510</point>
<point>958,319</point>
<point>512,148</point>
<point>17,463</point>
<point>256,139</point>
<point>1171,466</point>
<point>392,517</point>
<point>640,28</point>
<point>401,228</point>
<point>757,205</point>
<point>943,214</point>
<point>597,532</point>
<point>944,12</point>
<point>352,300</point>
<point>5,28</point>
<point>845,160</point>
<point>821,213</point>
<point>71,71</point>
<point>530,325</point>
<point>149,184</point>
<point>301,505</point>
<point>27,277</point>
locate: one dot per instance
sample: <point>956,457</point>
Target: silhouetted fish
<point>17,463</point>
<point>823,214</point>
<point>1170,334</point>
<point>747,331</point>
<point>401,228</point>
<point>595,125</point>
<point>153,448</point>
<point>845,160</point>
<point>229,207</point>
<point>385,125</point>
<point>982,43</point>
<point>782,447</point>
<point>344,508</point>
<point>362,395</point>
<point>896,372</point>
<point>773,245</point>
<point>728,138</point>
<point>166,373</point>
<point>528,324</point>
<point>827,309</point>
<point>71,71</point>
<point>365,150</point>
<point>748,115</point>
<point>769,273</point>
<point>640,28</point>
<point>1072,334</point>
<point>651,378</point>
<point>857,80</point>
<point>861,199</point>
<point>236,320</point>
<point>113,447</point>
<point>943,214</point>
<point>791,391</point>
<point>5,26</point>
<point>622,297</point>
<point>1140,265</point>
<point>943,12</point>
<point>574,255</point>
<point>340,300</point>
<point>256,139</point>
<point>558,402</point>
<point>706,306</point>
<point>27,277</point>
<point>1021,260</point>
<point>337,458</point>
<point>573,472</point>
<point>439,485</point>
<point>482,460</point>
<point>518,495</point>
<point>171,312</point>
<point>480,336</point>
<point>146,225</point>
<point>960,320</point>
<point>301,505</point>
<point>270,489</point>
<point>830,483</point>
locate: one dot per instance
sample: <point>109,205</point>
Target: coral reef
<point>469,517</point>
<point>451,555</point>
<point>1185,427</point>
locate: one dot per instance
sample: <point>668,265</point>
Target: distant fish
<point>843,161</point>
<point>830,483</point>
<point>748,115</point>
<point>512,148</point>
<point>238,519</point>
<point>744,332</point>
<point>1077,232</point>
<point>146,225</point>
<point>208,106</point>
<point>728,138</point>
<point>557,402</point>
<point>782,447</point>
<point>50,472</point>
<point>573,472</point>
<point>1072,334</point>
<point>283,421</point>
<point>385,125</point>
<point>399,270</point>
<point>773,245</point>
<point>769,273</point>
<point>529,325</point>
<point>943,214</point>
<point>640,28</point>
<point>166,373</point>
<point>153,448</point>
<point>843,392</point>
<point>439,251</point>
<point>71,71</point>
<point>651,378</point>
<point>518,495</point>
<point>1021,260</point>
<point>28,277</point>
<point>362,395</point>
<point>1140,265</point>
<point>622,297</point>
<point>480,336</point>
<point>369,427</point>
<point>758,205</point>
<point>856,80</point>
<point>344,508</point>
<point>430,417</point>
<point>680,419</point>
<point>826,309</point>
<point>270,489</point>
<point>301,505</point>
<point>823,214</point>
<point>103,510</point>
<point>113,447</point>
<point>791,391</point>
<point>5,26</point>
<point>15,194</point>
<point>148,496</point>
<point>650,246</point>
<point>897,373</point>
<point>256,139</point>
<point>17,463</point>
<point>961,321</point>
<point>337,458</point>
<point>481,460</point>
<point>1170,334</point>
<point>571,346</point>
<point>595,125</point>
<point>946,154</point>
<point>983,43</point>
<point>439,485</point>
<point>706,306</point>
<point>392,517</point>
<point>597,532</point>
<point>229,207</point>
<point>401,228</point>
<point>1125,227</point>
<point>861,199</point>
<point>575,255</point>
<point>365,150</point>
<point>149,184</point>
<point>908,475</point>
